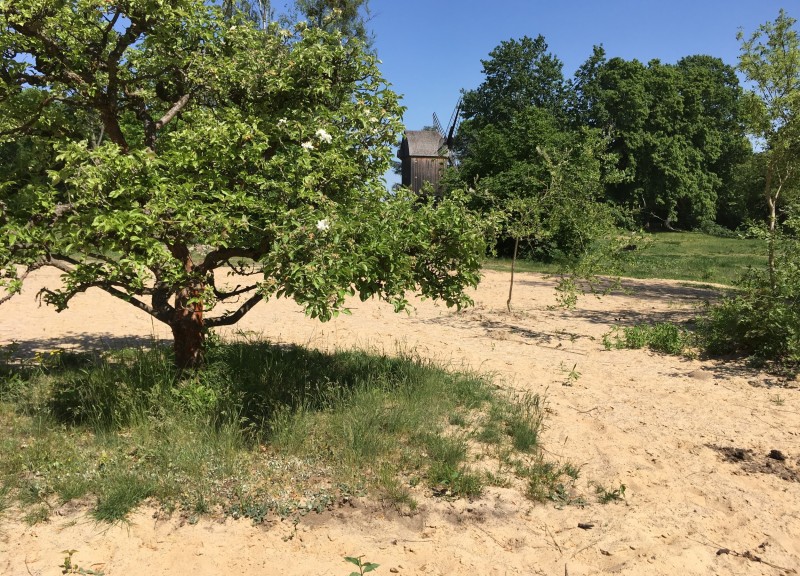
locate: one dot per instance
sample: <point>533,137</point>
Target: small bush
<point>761,321</point>
<point>714,229</point>
<point>455,481</point>
<point>663,337</point>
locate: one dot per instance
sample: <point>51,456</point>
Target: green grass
<point>262,430</point>
<point>676,256</point>
<point>663,337</point>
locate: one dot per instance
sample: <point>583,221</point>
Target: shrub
<point>662,337</point>
<point>762,321</point>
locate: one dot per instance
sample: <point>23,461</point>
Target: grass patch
<point>674,256</point>
<point>606,496</point>
<point>664,337</point>
<point>262,430</point>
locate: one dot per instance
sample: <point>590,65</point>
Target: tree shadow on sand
<point>675,290</point>
<point>76,342</point>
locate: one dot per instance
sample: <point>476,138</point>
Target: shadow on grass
<point>106,386</point>
<point>266,378</point>
<point>126,425</point>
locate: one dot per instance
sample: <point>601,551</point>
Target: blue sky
<point>432,49</point>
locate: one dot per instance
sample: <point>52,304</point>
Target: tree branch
<point>35,118</point>
<point>21,279</point>
<point>238,291</point>
<point>234,317</point>
<point>52,49</point>
<point>172,112</point>
<point>63,263</point>
<point>67,265</point>
<point>222,255</point>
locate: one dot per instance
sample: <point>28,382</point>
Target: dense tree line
<point>556,161</point>
<point>663,146</point>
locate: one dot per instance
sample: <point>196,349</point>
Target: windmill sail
<point>438,125</point>
<point>455,120</point>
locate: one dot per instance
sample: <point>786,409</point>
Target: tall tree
<point>160,154</point>
<point>584,96</point>
<point>770,61</point>
<point>518,75</point>
<point>522,158</point>
<point>348,17</point>
<point>259,11</point>
<point>675,129</point>
<point>763,317</point>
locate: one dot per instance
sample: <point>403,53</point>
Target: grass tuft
<point>663,337</point>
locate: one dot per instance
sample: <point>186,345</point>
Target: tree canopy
<point>674,133</point>
<point>770,60</point>
<point>151,147</point>
<point>675,128</point>
<point>524,160</point>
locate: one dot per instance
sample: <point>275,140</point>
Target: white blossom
<point>282,122</point>
<point>374,120</point>
<point>307,145</point>
<point>324,136</point>
<point>323,225</point>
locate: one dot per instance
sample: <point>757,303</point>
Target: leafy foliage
<point>363,567</point>
<point>760,321</point>
<point>770,59</point>
<point>536,177</point>
<point>161,145</point>
<point>519,74</point>
<point>349,17</point>
<point>763,320</point>
<point>664,337</point>
<point>675,130</point>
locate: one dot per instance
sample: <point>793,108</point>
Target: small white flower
<point>324,136</point>
<point>323,225</point>
<point>282,122</point>
<point>307,145</point>
<point>374,120</point>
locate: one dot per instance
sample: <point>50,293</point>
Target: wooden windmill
<point>426,153</point>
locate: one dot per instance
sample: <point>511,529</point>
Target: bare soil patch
<point>649,422</point>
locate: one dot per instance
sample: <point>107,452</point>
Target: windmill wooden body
<point>422,159</point>
<point>425,154</point>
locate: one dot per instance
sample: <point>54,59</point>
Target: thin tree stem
<point>513,265</point>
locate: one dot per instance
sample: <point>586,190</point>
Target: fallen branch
<point>753,558</point>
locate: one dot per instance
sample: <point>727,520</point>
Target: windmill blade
<point>438,125</point>
<point>452,126</point>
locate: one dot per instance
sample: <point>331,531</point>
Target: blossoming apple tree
<point>193,166</point>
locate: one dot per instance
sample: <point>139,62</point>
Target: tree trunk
<point>772,203</point>
<point>188,329</point>
<point>513,265</point>
<point>773,219</point>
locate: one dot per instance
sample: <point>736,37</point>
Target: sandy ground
<point>632,417</point>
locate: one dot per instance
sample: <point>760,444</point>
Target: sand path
<point>632,417</point>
